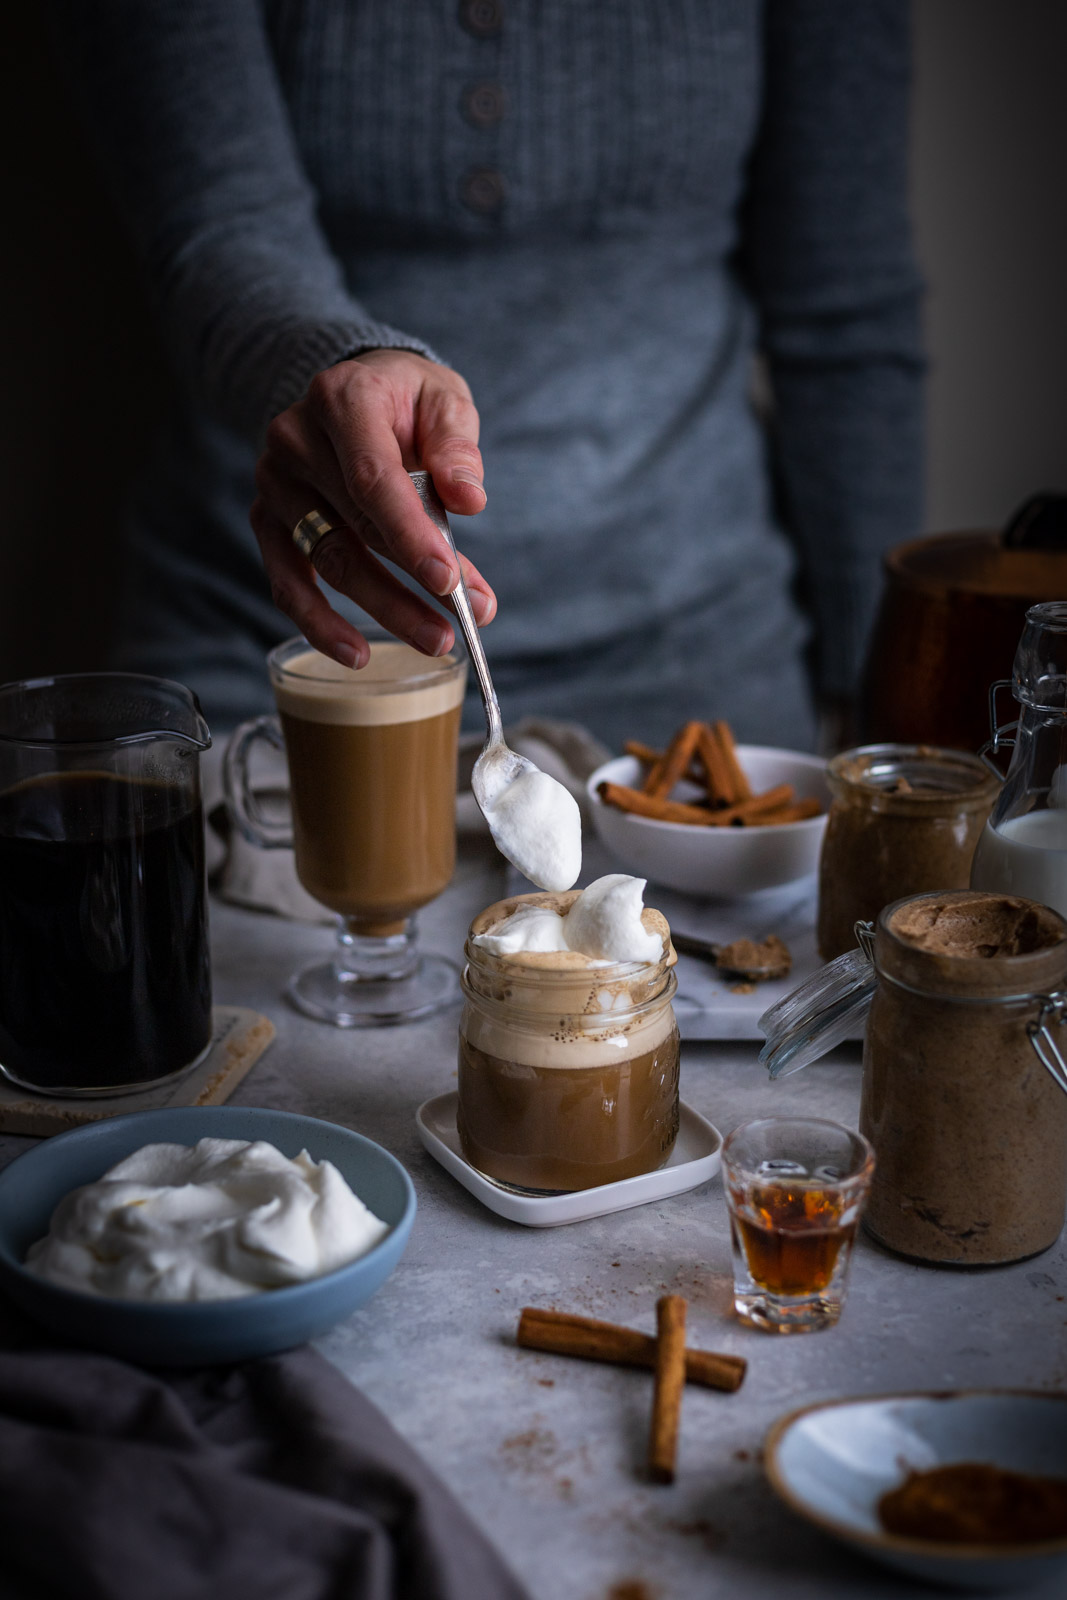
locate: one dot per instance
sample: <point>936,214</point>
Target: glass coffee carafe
<point>104,969</point>
<point>1023,848</point>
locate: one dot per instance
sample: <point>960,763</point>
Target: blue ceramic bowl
<point>833,1462</point>
<point>209,1331</point>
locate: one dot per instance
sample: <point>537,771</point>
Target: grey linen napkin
<point>273,1480</point>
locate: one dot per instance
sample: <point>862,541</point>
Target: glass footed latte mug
<point>372,781</point>
<point>568,1066</point>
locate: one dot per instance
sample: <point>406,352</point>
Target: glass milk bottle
<point>1023,848</point>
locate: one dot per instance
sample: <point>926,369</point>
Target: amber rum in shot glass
<point>795,1189</point>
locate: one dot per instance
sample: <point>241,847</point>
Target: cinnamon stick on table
<point>670,1381</point>
<point>561,1333</point>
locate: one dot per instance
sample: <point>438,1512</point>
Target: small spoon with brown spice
<point>743,959</point>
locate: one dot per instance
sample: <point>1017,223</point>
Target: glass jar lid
<point>820,1013</point>
<point>912,779</point>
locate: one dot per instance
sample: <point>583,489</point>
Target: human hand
<point>344,450</point>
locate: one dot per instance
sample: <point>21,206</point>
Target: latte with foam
<point>372,772</point>
<point>568,1062</point>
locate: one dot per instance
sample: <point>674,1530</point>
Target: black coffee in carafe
<point>103,945</point>
<point>104,971</point>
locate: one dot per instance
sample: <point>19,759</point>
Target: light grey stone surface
<point>546,1452</point>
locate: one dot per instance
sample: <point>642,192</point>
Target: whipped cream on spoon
<point>534,820</point>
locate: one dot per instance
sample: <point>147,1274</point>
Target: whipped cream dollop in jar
<point>568,1057</point>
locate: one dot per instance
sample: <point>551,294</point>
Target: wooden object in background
<point>950,618</point>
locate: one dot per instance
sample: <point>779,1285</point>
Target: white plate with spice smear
<point>694,1159</point>
<point>833,1462</point>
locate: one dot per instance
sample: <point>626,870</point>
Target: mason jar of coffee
<point>963,1091</point>
<point>568,1065</point>
<point>904,819</point>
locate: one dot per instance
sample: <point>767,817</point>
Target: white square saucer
<point>694,1159</point>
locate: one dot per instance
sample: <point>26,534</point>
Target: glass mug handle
<point>241,802</point>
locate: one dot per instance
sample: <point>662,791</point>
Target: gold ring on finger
<point>312,527</point>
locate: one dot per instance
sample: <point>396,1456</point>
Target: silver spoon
<point>498,766</point>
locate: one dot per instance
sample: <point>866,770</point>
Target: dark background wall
<point>988,161</point>
<point>81,377</point>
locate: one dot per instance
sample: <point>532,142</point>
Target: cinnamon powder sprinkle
<point>972,1502</point>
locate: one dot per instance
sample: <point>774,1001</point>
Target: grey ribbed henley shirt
<point>597,212</point>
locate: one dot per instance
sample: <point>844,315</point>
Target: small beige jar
<point>568,1069</point>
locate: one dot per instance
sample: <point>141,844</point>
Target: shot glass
<point>795,1189</point>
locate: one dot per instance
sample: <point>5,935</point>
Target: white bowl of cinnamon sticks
<point>709,817</point>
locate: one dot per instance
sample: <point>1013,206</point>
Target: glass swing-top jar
<point>1023,848</point>
<point>964,1093</point>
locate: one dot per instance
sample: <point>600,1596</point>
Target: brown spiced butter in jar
<point>904,819</point>
<point>568,1065</point>
<point>969,1127</point>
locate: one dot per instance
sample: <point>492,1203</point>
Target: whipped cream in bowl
<point>211,1233</point>
<point>211,1221</point>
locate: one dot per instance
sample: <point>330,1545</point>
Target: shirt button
<point>484,105</point>
<point>483,190</point>
<point>483,18</point>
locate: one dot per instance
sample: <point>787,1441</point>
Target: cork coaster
<point>240,1038</point>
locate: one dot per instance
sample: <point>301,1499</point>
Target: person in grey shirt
<point>540,241</point>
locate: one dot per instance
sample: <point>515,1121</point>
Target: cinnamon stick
<point>717,773</point>
<point>648,756</point>
<point>670,1381</point>
<point>563,1334</point>
<point>647,805</point>
<point>799,811</point>
<point>749,810</point>
<point>674,761</point>
<point>740,788</point>
<point>727,782</point>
